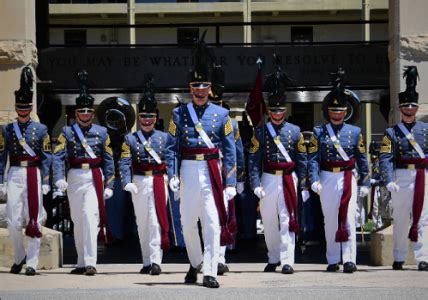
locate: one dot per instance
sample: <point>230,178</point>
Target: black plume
<point>203,58</point>
<point>411,74</point>
<point>26,84</point>
<point>338,82</point>
<point>277,81</point>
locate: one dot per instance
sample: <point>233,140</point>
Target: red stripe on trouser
<point>32,229</point>
<point>160,205</point>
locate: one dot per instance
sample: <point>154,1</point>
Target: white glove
<point>259,192</point>
<point>339,184</point>
<point>108,193</point>
<point>57,193</point>
<point>392,187</point>
<point>373,181</point>
<point>2,190</point>
<point>131,187</point>
<point>305,195</point>
<point>316,187</point>
<point>230,192</point>
<point>364,191</point>
<point>46,189</point>
<point>61,185</point>
<point>240,187</point>
<point>174,184</point>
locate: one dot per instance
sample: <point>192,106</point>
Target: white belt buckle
<point>411,167</point>
<point>23,163</point>
<point>200,157</point>
<point>85,166</point>
<point>335,169</point>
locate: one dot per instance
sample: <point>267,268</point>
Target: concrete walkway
<point>310,281</point>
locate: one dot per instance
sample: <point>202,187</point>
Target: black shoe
<point>333,268</point>
<point>16,269</point>
<point>222,268</point>
<point>423,266</point>
<point>90,271</point>
<point>349,267</point>
<point>29,271</point>
<point>397,265</point>
<point>210,282</point>
<point>155,270</point>
<point>287,269</point>
<point>145,269</point>
<point>191,276</point>
<point>78,271</point>
<point>271,268</point>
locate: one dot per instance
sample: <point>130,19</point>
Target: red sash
<point>226,237</point>
<point>419,192</point>
<point>32,229</point>
<point>288,189</point>
<point>342,234</point>
<point>97,177</point>
<point>160,196</point>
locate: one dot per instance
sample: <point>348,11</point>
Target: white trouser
<point>197,202</point>
<point>275,215</point>
<point>402,203</point>
<point>17,215</point>
<point>85,215</point>
<point>149,230</point>
<point>330,201</point>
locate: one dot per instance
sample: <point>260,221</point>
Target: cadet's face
<point>147,123</point>
<point>277,117</point>
<point>23,113</point>
<point>409,111</point>
<point>336,116</point>
<point>84,116</point>
<point>200,95</point>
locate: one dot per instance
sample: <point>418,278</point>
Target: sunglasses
<point>147,115</point>
<point>85,110</point>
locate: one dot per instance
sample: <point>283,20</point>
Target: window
<point>75,37</point>
<point>187,36</point>
<point>302,34</point>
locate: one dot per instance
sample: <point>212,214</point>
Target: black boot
<point>210,282</point>
<point>191,276</point>
<point>155,270</point>
<point>90,271</point>
<point>349,267</point>
<point>29,271</point>
<point>333,268</point>
<point>287,269</point>
<point>271,268</point>
<point>397,265</point>
<point>145,269</point>
<point>16,268</point>
<point>222,268</point>
<point>423,266</point>
<point>78,271</point>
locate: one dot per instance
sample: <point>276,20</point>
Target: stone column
<point>408,36</point>
<point>17,49</point>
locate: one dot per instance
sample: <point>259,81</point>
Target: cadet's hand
<point>131,187</point>
<point>259,192</point>
<point>61,185</point>
<point>392,187</point>
<point>2,190</point>
<point>364,191</point>
<point>174,184</point>
<point>230,192</point>
<point>305,195</point>
<point>339,184</point>
<point>316,187</point>
<point>240,187</point>
<point>373,181</point>
<point>46,189</point>
<point>108,193</point>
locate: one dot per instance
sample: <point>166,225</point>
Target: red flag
<point>256,106</point>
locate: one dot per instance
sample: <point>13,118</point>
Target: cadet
<point>403,166</point>
<point>334,150</point>
<point>277,153</point>
<point>216,97</point>
<point>27,145</point>
<point>143,173</point>
<point>86,147</point>
<point>201,134</point>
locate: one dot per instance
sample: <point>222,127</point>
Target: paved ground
<point>244,281</point>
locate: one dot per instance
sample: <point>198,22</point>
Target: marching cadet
<point>216,97</point>
<point>86,148</point>
<point>27,145</point>
<point>277,153</point>
<point>143,173</point>
<point>335,149</point>
<point>403,166</point>
<point>200,139</point>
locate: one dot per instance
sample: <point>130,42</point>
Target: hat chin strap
<point>84,123</point>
